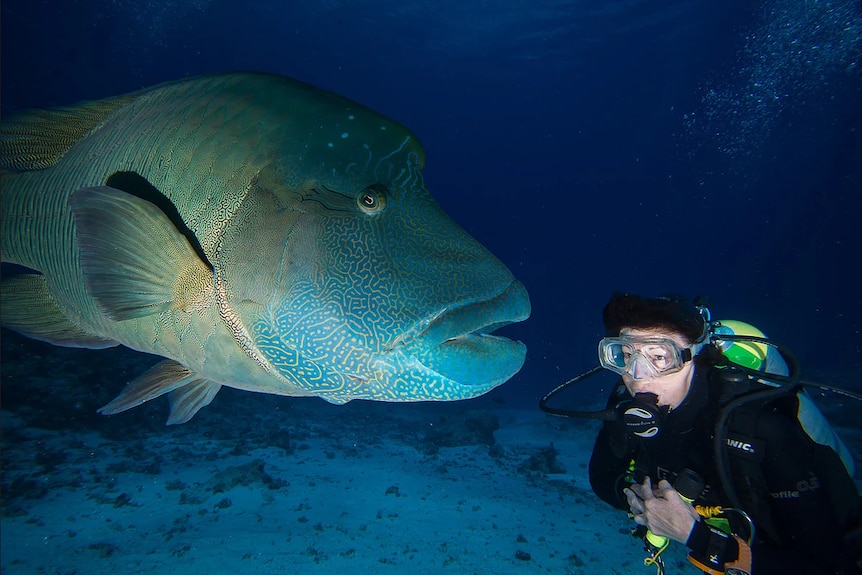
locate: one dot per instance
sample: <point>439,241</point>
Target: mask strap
<point>706,316</point>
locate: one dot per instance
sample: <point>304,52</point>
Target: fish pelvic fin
<point>187,391</point>
<point>37,139</point>
<point>186,401</point>
<point>29,308</point>
<point>134,259</point>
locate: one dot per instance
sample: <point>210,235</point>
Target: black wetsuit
<point>803,503</point>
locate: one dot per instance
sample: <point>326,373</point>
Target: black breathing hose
<point>606,415</point>
<point>788,384</point>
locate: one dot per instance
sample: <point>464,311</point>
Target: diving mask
<point>642,357</point>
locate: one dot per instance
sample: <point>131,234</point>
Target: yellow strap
<point>653,558</point>
<point>708,512</point>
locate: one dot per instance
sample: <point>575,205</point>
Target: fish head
<point>354,282</point>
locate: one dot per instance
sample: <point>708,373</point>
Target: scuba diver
<point>709,440</point>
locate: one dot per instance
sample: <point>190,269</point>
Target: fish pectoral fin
<point>135,260</point>
<point>188,391</point>
<point>29,308</point>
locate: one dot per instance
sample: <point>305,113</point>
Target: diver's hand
<point>636,505</point>
<point>663,511</point>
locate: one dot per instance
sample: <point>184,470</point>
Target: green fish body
<point>258,233</point>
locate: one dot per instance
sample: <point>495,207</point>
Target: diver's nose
<point>638,370</point>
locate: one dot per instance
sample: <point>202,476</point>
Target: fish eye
<point>372,200</point>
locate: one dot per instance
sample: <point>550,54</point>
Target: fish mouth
<point>458,342</point>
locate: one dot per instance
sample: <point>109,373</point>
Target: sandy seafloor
<point>262,484</point>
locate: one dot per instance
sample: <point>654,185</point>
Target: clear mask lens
<point>641,358</point>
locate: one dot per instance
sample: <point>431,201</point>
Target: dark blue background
<point>652,146</point>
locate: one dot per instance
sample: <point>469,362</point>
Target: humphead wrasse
<point>258,233</point>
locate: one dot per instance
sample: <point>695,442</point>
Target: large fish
<point>258,232</point>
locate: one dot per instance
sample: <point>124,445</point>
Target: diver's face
<point>672,388</point>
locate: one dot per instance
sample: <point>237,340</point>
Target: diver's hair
<point>670,313</point>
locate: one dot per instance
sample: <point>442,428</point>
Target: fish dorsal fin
<point>188,392</point>
<point>135,261</point>
<point>37,139</point>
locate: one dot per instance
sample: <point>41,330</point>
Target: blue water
<point>651,146</point>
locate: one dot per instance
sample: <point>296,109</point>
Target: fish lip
<point>469,319</point>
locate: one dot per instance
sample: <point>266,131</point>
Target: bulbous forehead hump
<point>329,133</point>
